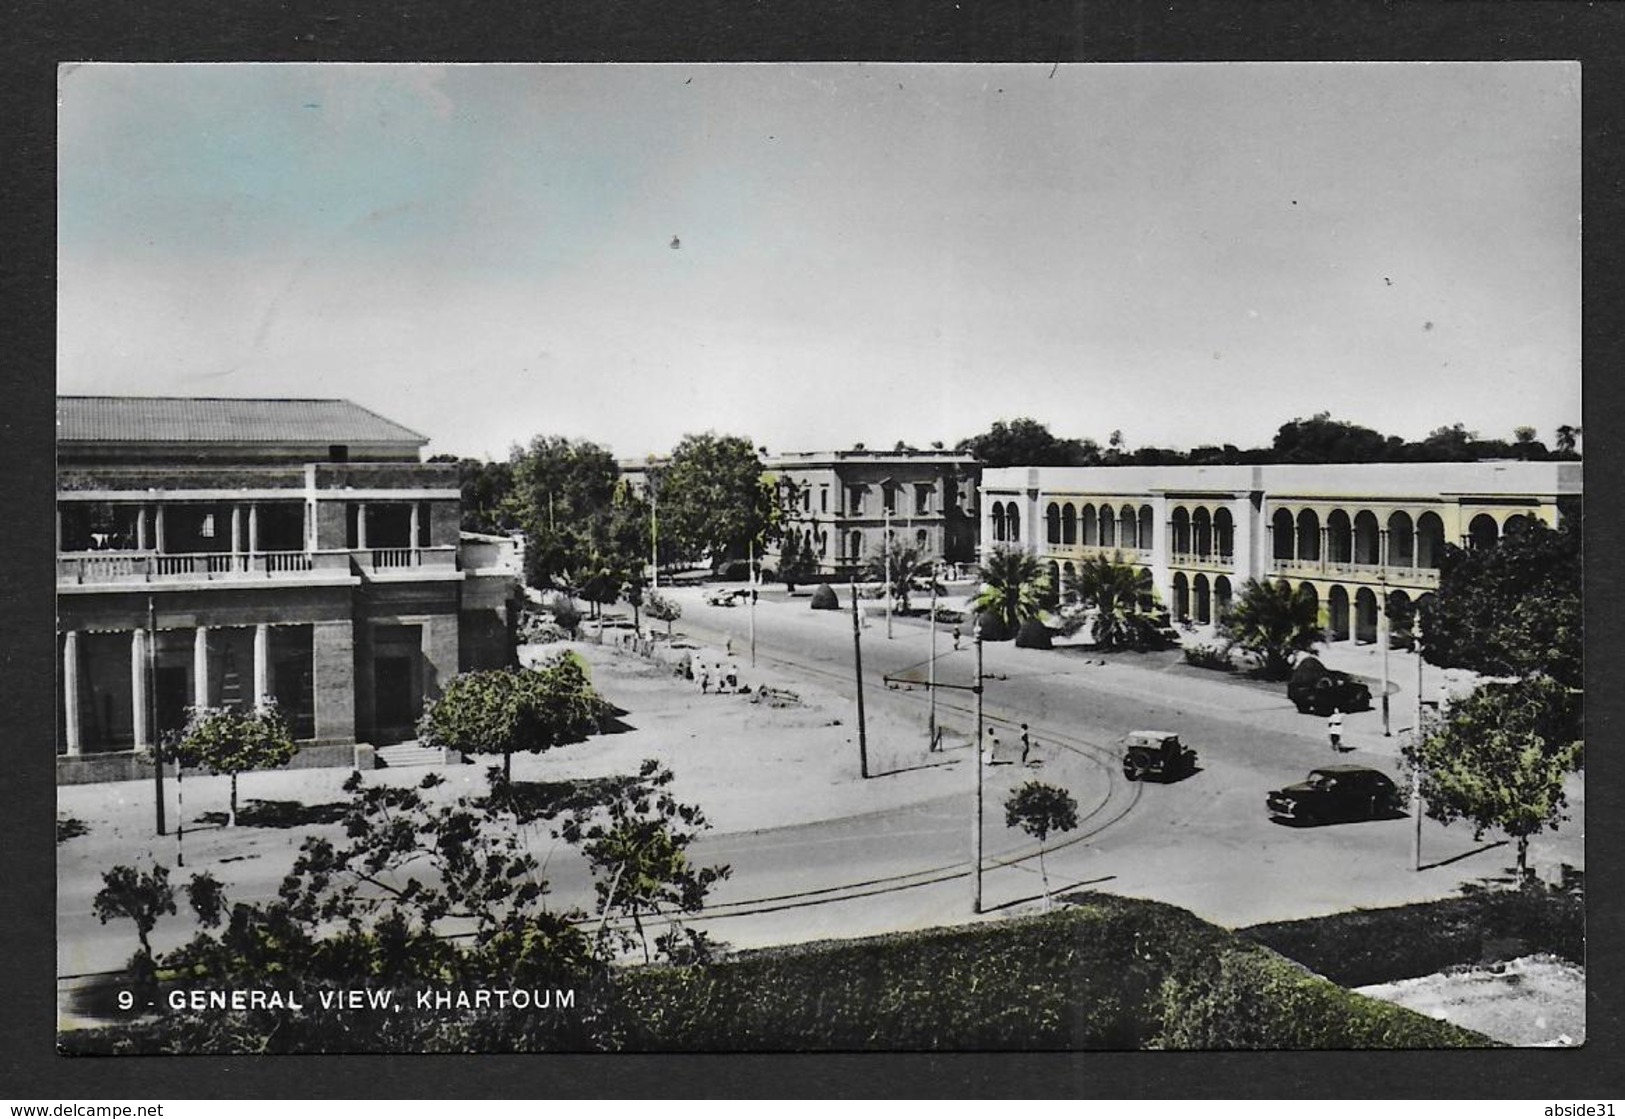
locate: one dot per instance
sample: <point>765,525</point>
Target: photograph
<point>818,557</point>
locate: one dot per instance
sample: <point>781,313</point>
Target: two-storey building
<point>1353,534</point>
<point>231,551</point>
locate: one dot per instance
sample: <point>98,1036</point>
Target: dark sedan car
<point>1336,792</point>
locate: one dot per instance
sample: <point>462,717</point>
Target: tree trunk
<point>231,818</point>
<point>1523,858</point>
<point>1043,873</point>
<point>507,766</point>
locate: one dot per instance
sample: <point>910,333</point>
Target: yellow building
<point>1351,533</point>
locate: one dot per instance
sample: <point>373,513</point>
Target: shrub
<point>1033,634</point>
<point>824,598</point>
<point>567,616</point>
<point>993,627</point>
<point>1209,656</point>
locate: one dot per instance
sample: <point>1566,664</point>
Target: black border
<point>42,33</point>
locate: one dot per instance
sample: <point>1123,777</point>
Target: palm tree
<point>1115,590</point>
<point>1013,586</point>
<point>905,558</point>
<point>1270,622</point>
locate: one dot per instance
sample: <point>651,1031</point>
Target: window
<point>922,499</point>
<point>823,499</point>
<point>854,500</point>
<point>806,501</point>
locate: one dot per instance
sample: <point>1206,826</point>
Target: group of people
<point>722,675</point>
<point>994,747</point>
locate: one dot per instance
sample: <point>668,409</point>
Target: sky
<point>814,256</point>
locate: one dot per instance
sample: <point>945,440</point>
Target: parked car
<point>1336,792</point>
<point>727,596</point>
<point>1156,755</point>
<point>1316,689</point>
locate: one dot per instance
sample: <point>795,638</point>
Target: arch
<point>1202,532</point>
<point>1091,529</point>
<point>998,521</point>
<point>1012,520</point>
<point>1204,600</point>
<point>922,540</point>
<point>1429,540</point>
<point>1483,532</point>
<point>1282,538</point>
<point>1068,574</point>
<point>1337,613</point>
<point>1339,537</point>
<point>1365,616</point>
<point>1401,620</point>
<point>1108,527</point>
<point>1052,523</point>
<point>1309,591</point>
<point>1148,598</point>
<point>1309,535</point>
<point>1182,596</point>
<point>1128,527</point>
<point>1222,597</point>
<point>1367,542</point>
<point>1054,580</point>
<point>823,543</point>
<point>1401,540</point>
<point>855,539</point>
<point>1146,543</point>
<point>1069,524</point>
<point>1182,531</point>
<point>1224,533</point>
<point>1518,522</point>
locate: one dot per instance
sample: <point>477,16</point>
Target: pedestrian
<point>1334,729</point>
<point>705,681</point>
<point>1026,744</point>
<point>956,639</point>
<point>992,746</point>
<point>728,645</point>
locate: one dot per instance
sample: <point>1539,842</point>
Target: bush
<point>567,616</point>
<point>824,598</point>
<point>1033,634</point>
<point>1209,656</point>
<point>734,571</point>
<point>993,627</point>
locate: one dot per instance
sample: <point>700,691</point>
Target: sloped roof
<point>186,419</point>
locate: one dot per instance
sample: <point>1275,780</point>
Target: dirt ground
<point>1536,1000</point>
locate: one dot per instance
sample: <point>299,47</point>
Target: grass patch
<point>1368,946</point>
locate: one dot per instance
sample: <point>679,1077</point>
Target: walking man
<point>1334,730</point>
<point>1026,745</point>
<point>992,746</point>
<point>956,639</point>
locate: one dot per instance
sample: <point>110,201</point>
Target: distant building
<point>217,552</point>
<point>1349,533</point>
<point>841,504</point>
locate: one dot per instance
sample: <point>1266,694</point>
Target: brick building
<point>227,551</point>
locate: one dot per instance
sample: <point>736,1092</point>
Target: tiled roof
<point>178,419</point>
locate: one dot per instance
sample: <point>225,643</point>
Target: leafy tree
<point>1115,591</point>
<point>488,494</point>
<point>633,592</point>
<point>797,564</point>
<point>1499,757</point>
<point>504,710</point>
<point>1026,442</point>
<point>1013,586</point>
<point>1323,439</point>
<point>663,609</point>
<point>1568,439</point>
<point>565,492</point>
<point>1271,622</point>
<point>637,845</point>
<point>1510,610</point>
<point>142,896</point>
<point>224,740</point>
<point>713,501</point>
<point>894,568</point>
<point>1039,809</point>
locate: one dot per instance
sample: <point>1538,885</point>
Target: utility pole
<point>931,673</point>
<point>1384,634</point>
<point>976,873</point>
<point>1416,761</point>
<point>654,534</point>
<point>751,552</point>
<point>857,662</point>
<point>151,669</point>
<point>885,498</point>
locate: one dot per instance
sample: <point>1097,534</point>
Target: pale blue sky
<point>1188,253</point>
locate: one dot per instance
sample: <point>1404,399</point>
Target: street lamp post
<point>1416,760</point>
<point>931,672</point>
<point>976,871</point>
<point>1384,634</point>
<point>857,663</point>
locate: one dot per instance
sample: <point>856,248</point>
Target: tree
<point>566,494</point>
<point>636,841</point>
<point>894,567</point>
<point>225,740</point>
<point>1323,439</point>
<point>488,494</point>
<point>1499,757</point>
<point>142,896</point>
<point>1013,586</point>
<point>1513,609</point>
<point>713,501</point>
<point>1568,439</point>
<point>797,564</point>
<point>508,709</point>
<point>1115,592</point>
<point>1271,622</point>
<point>1026,442</point>
<point>663,609</point>
<point>1039,809</point>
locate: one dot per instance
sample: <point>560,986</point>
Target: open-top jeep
<point>1156,755</point>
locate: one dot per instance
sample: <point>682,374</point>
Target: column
<point>200,667</point>
<point>141,529</point>
<point>236,533</point>
<point>138,687</point>
<point>262,664</point>
<point>1382,547</point>
<point>412,541</point>
<point>1325,540</point>
<point>158,528</point>
<point>253,529</point>
<point>70,690</point>
<point>361,525</point>
<point>333,650</point>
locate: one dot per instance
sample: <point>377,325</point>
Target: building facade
<point>841,504</point>
<point>1355,535</point>
<point>219,552</point>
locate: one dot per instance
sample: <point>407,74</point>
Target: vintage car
<point>1156,755</point>
<point>1315,689</point>
<point>1336,792</point>
<point>727,596</point>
